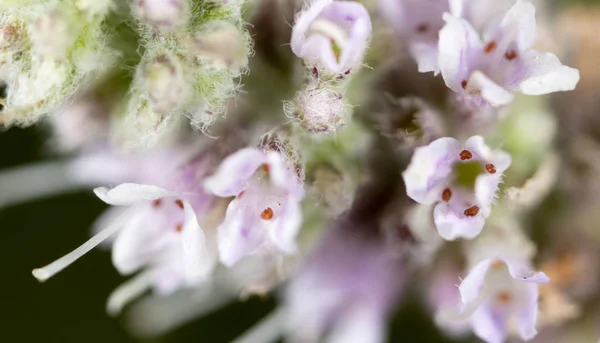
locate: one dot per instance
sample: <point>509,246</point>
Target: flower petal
<point>429,168</point>
<point>426,55</point>
<point>519,22</point>
<point>197,262</point>
<point>500,159</point>
<point>234,173</point>
<point>285,229</point>
<point>282,177</point>
<point>486,187</point>
<point>482,85</point>
<point>490,324</point>
<point>470,287</point>
<point>451,224</point>
<point>239,235</point>
<point>303,22</point>
<point>526,311</point>
<point>135,245</point>
<point>543,74</point>
<point>130,193</point>
<point>458,44</point>
<point>520,270</point>
<point>359,325</point>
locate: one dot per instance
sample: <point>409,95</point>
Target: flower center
<point>447,194</point>
<point>504,297</point>
<point>335,33</point>
<point>467,172</point>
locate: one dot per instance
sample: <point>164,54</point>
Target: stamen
<point>241,193</point>
<point>266,167</point>
<point>267,213</point>
<point>128,291</point>
<point>510,55</point>
<point>489,47</point>
<point>46,272</point>
<point>465,155</point>
<point>497,264</point>
<point>504,297</point>
<point>490,168</point>
<point>179,227</point>
<point>179,203</point>
<point>156,203</point>
<point>447,194</point>
<point>471,211</point>
<point>463,84</point>
<point>422,28</point>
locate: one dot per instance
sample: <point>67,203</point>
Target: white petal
<point>131,193</point>
<point>452,225</point>
<point>458,40</point>
<point>470,287</point>
<point>527,311</point>
<point>234,173</point>
<point>480,84</point>
<point>197,262</point>
<point>358,325</point>
<point>303,22</point>
<point>543,74</point>
<point>429,169</point>
<point>486,187</point>
<point>519,22</point>
<point>282,177</point>
<point>133,247</point>
<point>426,55</point>
<point>318,48</point>
<point>285,229</point>
<point>520,270</point>
<point>239,235</point>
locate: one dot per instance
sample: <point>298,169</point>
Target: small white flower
<point>462,180</point>
<point>164,15</point>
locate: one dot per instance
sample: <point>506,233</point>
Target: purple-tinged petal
<point>470,287</point>
<point>282,177</point>
<point>131,193</point>
<point>429,169</point>
<point>458,45</point>
<point>526,311</point>
<point>426,55</point>
<point>489,323</point>
<point>303,22</point>
<point>239,235</point>
<point>197,262</point>
<point>318,47</point>
<point>519,22</point>
<point>486,187</point>
<point>520,270</point>
<point>285,228</point>
<point>543,73</point>
<point>481,85</point>
<point>451,223</point>
<point>234,173</point>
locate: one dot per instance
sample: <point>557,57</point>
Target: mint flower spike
<point>332,34</point>
<point>487,70</point>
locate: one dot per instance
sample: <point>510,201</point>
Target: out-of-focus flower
<point>487,70</point>
<point>347,287</point>
<point>265,214</point>
<point>163,15</point>
<point>498,290</point>
<point>207,46</point>
<point>332,34</point>
<point>462,181</point>
<point>418,23</point>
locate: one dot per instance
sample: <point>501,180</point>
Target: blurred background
<point>71,306</point>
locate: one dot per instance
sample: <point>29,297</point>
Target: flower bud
<point>164,83</point>
<point>319,110</point>
<point>53,34</point>
<point>208,45</point>
<point>163,15</point>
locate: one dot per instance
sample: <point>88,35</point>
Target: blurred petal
<point>458,40</point>
<point>545,74</point>
<point>234,173</point>
<point>452,224</point>
<point>480,84</point>
<point>130,193</point>
<point>239,235</point>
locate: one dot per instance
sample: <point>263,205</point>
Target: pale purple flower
<point>418,22</point>
<point>498,291</point>
<point>462,180</point>
<point>347,288</point>
<point>486,70</point>
<point>333,34</point>
<point>265,215</point>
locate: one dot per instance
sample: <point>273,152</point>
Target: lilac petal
<point>318,47</point>
<point>130,193</point>
<point>543,74</point>
<point>470,287</point>
<point>451,224</point>
<point>526,311</point>
<point>197,262</point>
<point>458,43</point>
<point>519,21</point>
<point>482,85</point>
<point>490,324</point>
<point>133,247</point>
<point>520,270</point>
<point>285,228</point>
<point>359,33</point>
<point>429,169</point>
<point>234,173</point>
<point>239,235</point>
<point>359,325</point>
<point>282,177</point>
<point>303,22</point>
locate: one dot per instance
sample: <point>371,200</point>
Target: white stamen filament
<point>128,291</point>
<point>46,272</point>
<point>268,330</point>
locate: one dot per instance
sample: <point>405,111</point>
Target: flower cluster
<point>344,198</point>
